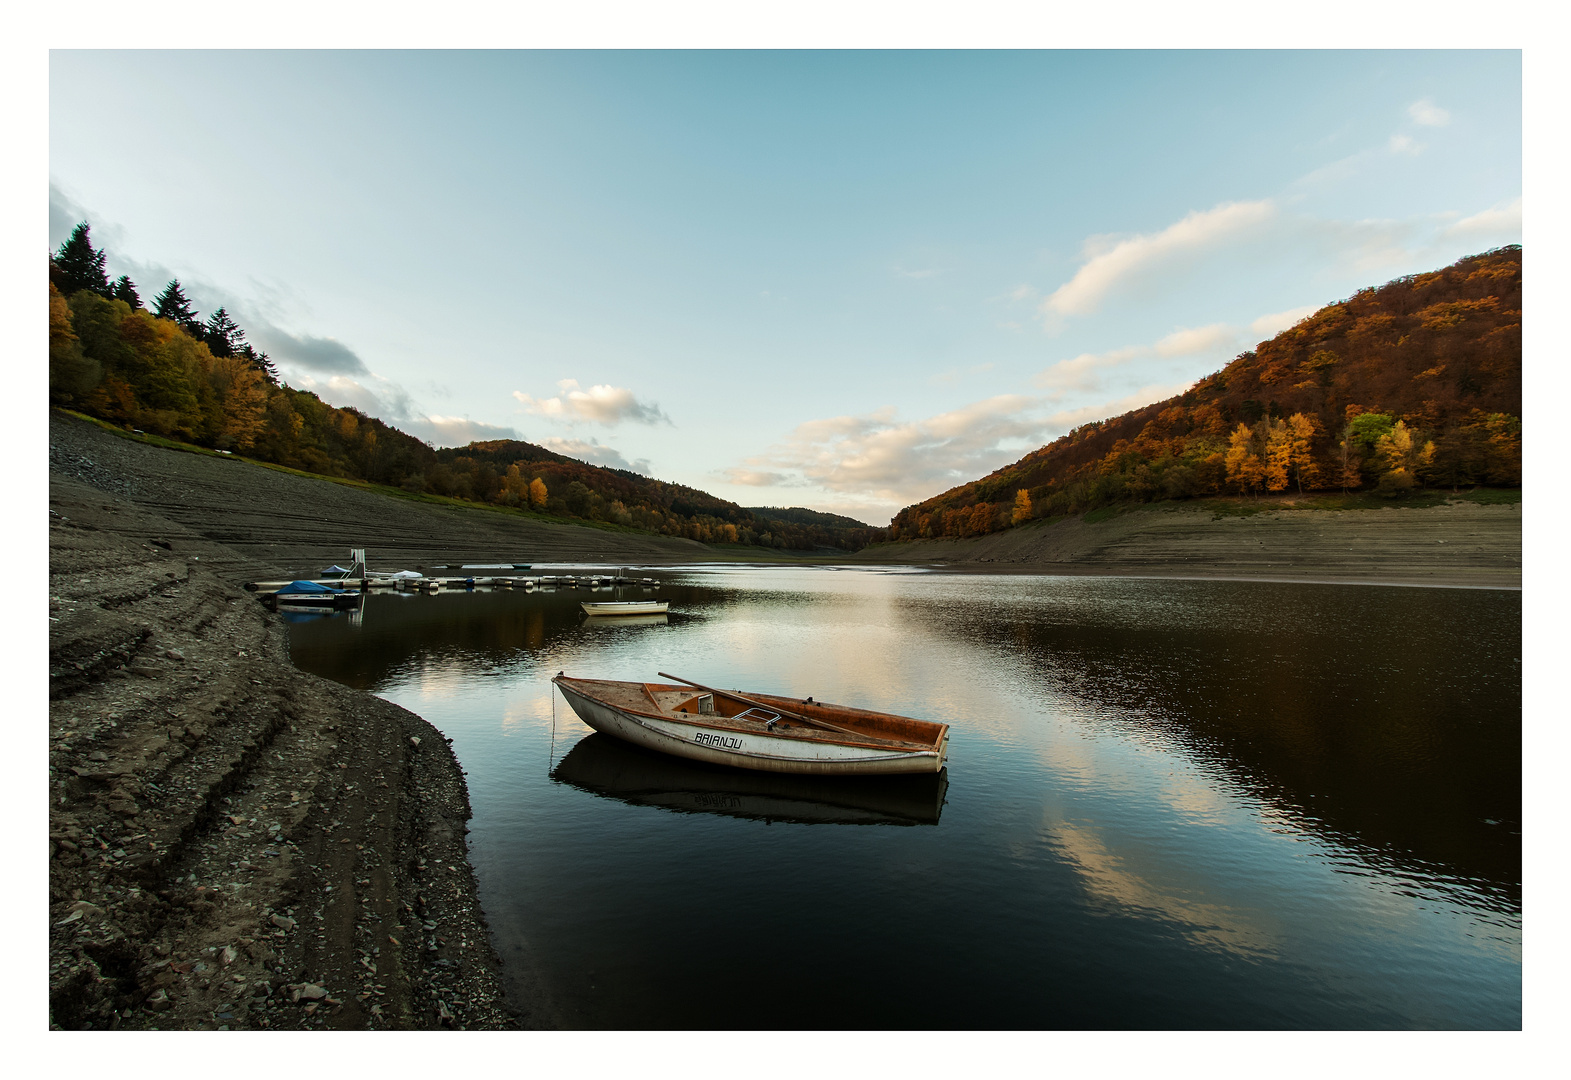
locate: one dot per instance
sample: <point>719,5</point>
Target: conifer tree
<point>222,335</point>
<point>173,305</point>
<point>259,362</point>
<point>125,289</point>
<point>80,266</point>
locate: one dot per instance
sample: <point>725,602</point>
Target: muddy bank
<point>233,843</point>
<point>1457,544</point>
<point>270,523</point>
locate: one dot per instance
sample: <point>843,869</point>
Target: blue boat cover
<point>294,588</point>
<point>336,569</point>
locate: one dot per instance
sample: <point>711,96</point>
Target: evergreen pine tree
<point>222,335</point>
<point>260,361</point>
<point>173,305</point>
<point>125,289</point>
<point>80,266</point>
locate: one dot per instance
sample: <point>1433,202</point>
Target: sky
<point>846,280</point>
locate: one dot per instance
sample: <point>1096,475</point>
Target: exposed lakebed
<point>1168,804</point>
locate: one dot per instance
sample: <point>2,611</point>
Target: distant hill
<point>1415,383</point>
<point>171,373</point>
<point>798,515</point>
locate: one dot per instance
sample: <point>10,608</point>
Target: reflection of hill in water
<point>607,766</point>
<point>1388,721</point>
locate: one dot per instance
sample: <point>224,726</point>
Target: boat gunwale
<point>807,734</point>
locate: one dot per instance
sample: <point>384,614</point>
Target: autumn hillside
<point>163,369</point>
<point>1415,383</point>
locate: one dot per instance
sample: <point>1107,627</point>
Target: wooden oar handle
<point>760,705</point>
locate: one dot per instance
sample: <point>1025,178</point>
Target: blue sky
<point>845,280</point>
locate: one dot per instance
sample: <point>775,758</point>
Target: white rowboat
<point>757,731</point>
<point>626,607</point>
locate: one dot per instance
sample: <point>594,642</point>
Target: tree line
<point>1417,383</point>
<point>168,371</point>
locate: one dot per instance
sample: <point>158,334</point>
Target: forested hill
<point>1415,383</point>
<point>170,372</point>
<point>802,516</point>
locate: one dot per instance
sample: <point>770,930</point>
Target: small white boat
<point>626,607</point>
<point>757,731</point>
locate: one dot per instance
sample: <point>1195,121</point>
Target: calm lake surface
<point>1190,804</point>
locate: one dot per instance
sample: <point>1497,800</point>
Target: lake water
<point>1169,804</point>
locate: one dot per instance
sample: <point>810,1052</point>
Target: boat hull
<point>626,607</point>
<point>720,745</point>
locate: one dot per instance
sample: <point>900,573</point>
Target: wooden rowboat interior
<point>770,715</point>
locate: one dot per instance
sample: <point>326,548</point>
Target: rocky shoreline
<point>235,844</point>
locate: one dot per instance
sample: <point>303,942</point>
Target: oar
<point>770,708</point>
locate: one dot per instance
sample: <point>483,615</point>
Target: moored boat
<point>757,731</point>
<point>626,607</point>
<point>309,594</point>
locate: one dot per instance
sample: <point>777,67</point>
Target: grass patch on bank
<point>1354,500</point>
<point>1106,513</point>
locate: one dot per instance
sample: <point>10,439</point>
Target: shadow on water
<point>1403,745</point>
<point>602,765</point>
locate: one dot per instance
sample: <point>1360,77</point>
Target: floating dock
<point>436,584</point>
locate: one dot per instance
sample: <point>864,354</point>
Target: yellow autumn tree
<point>1400,449</point>
<point>1244,467</point>
<point>514,484</point>
<point>1295,441</point>
<point>1272,436</point>
<point>71,373</point>
<point>537,493</point>
<point>1403,456</point>
<point>1022,511</point>
<point>240,396</point>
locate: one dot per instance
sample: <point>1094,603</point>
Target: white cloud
<point>1504,219</point>
<point>1428,114</point>
<point>602,404</point>
<point>1110,262</point>
<point>390,403</point>
<point>1069,419</point>
<point>756,478</point>
<point>595,452</point>
<point>1406,144</point>
<point>886,460</point>
<point>387,401</point>
<point>1084,372</point>
<point>1200,339</point>
<point>1081,372</point>
<point>442,431</point>
<point>1269,326</point>
<point>883,463</point>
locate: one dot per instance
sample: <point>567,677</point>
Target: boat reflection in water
<point>626,620</point>
<point>609,767</point>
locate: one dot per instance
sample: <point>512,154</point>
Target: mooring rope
<point>550,762</point>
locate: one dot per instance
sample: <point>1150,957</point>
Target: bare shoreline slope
<point>1458,544</point>
<point>274,523</point>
